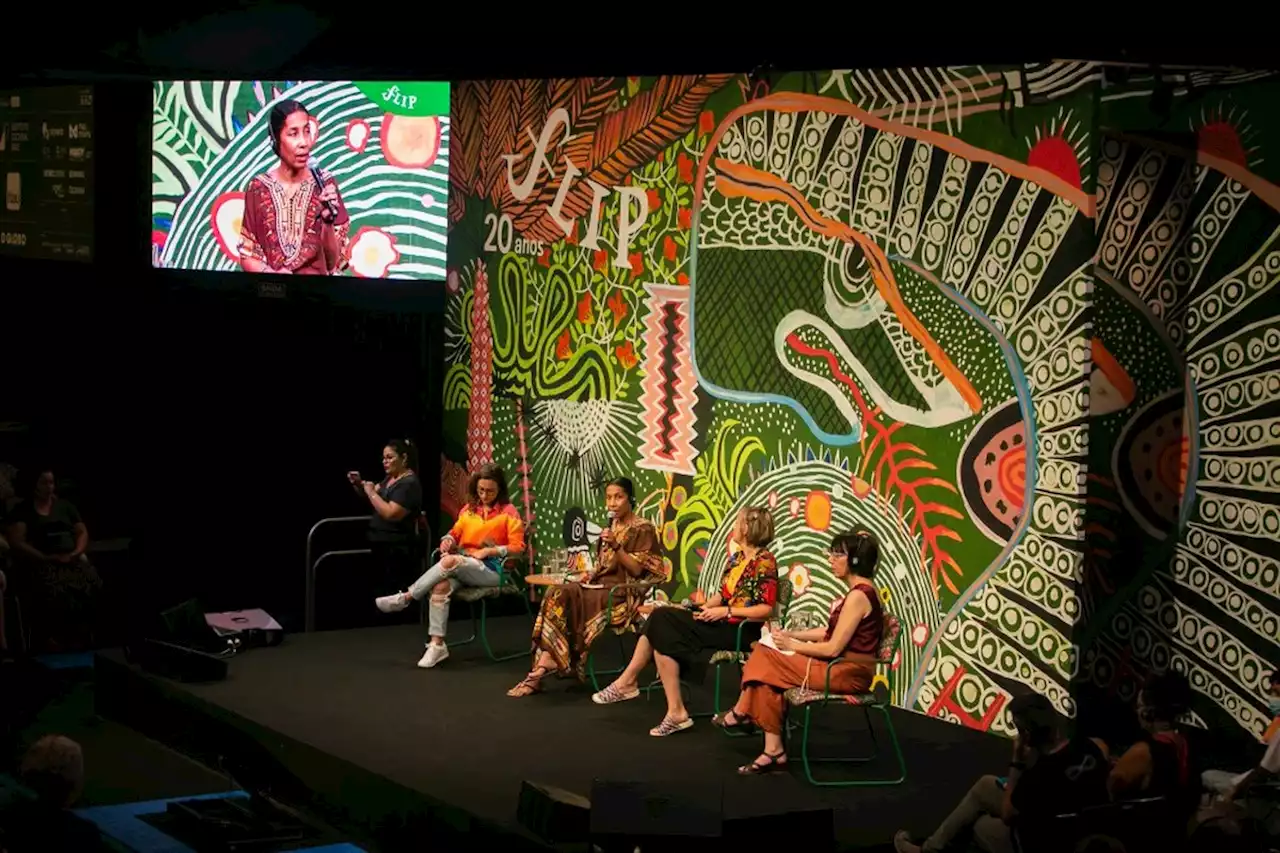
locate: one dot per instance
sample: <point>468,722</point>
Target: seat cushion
<point>728,656</point>
<point>800,696</point>
<point>475,593</point>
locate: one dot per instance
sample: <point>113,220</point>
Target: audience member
<point>49,539</point>
<point>1233,787</point>
<point>1159,764</point>
<point>1050,774</point>
<point>53,770</point>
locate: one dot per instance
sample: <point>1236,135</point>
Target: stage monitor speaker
<point>185,625</point>
<point>667,816</point>
<point>554,814</point>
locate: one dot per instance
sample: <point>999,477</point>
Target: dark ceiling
<point>306,39</point>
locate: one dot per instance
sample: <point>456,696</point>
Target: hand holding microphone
<point>606,535</point>
<point>328,193</point>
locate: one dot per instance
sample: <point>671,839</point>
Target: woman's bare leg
<point>669,672</point>
<point>629,679</point>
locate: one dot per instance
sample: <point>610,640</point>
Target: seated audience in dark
<point>53,770</point>
<point>48,540</point>
<point>1160,763</point>
<point>1050,774</point>
<point>1235,787</point>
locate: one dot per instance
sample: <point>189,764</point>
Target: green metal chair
<point>510,583</point>
<point>738,655</point>
<point>878,700</point>
<point>594,674</point>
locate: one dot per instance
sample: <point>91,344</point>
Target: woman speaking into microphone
<point>294,220</point>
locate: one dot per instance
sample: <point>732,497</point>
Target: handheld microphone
<point>315,174</point>
<point>611,515</point>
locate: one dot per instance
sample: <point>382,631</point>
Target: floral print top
<point>750,582</point>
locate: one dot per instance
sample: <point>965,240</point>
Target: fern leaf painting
<point>384,145</point>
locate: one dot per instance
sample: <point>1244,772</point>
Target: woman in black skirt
<point>680,639</point>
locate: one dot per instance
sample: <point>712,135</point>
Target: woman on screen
<point>294,220</point>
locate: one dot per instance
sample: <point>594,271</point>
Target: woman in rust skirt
<point>853,633</point>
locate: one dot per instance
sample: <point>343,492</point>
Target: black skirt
<point>674,632</point>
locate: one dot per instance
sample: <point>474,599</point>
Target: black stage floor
<point>450,739</point>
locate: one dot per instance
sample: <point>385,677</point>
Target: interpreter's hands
<point>369,487</point>
<point>712,614</point>
<point>353,477</point>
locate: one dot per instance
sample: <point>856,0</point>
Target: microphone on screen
<point>315,174</point>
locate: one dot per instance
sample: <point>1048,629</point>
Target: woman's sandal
<point>755,768</point>
<point>530,684</point>
<point>723,721</point>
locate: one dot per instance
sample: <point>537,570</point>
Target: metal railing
<point>309,623</point>
<point>309,617</point>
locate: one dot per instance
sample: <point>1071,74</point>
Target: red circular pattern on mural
<point>1012,474</point>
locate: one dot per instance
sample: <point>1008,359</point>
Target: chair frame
<point>510,581</point>
<point>882,704</point>
<point>781,608</point>
<point>593,673</point>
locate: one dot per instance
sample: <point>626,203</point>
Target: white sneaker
<point>435,653</point>
<point>392,603</point>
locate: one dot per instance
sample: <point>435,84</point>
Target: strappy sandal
<point>669,726</point>
<point>530,684</point>
<point>722,720</point>
<point>613,693</point>
<point>755,768</point>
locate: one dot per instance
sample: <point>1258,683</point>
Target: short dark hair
<point>1167,694</point>
<point>1035,718</point>
<point>53,768</point>
<point>488,471</point>
<point>627,486</point>
<point>863,549</point>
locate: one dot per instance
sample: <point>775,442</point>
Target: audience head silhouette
<point>53,769</point>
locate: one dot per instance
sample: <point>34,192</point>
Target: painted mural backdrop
<point>1184,477</point>
<point>854,297</point>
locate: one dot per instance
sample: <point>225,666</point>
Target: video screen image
<point>46,157</point>
<point>301,178</point>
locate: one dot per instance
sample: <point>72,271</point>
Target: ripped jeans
<point>468,572</point>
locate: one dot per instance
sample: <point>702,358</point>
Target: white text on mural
<point>628,225</point>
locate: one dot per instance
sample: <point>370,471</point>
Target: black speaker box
<point>671,816</point>
<point>553,814</point>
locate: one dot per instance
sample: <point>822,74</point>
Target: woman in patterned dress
<point>575,614</point>
<point>679,640</point>
<point>291,224</point>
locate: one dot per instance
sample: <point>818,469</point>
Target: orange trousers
<point>768,674</point>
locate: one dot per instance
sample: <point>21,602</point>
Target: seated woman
<point>574,615</point>
<point>487,530</point>
<point>48,539</point>
<point>677,639</point>
<point>1160,764</point>
<point>853,633</point>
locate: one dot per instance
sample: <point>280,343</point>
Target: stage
<point>396,754</point>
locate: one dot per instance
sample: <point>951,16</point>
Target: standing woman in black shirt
<point>393,526</point>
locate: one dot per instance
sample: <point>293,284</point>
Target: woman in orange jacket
<point>487,530</point>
